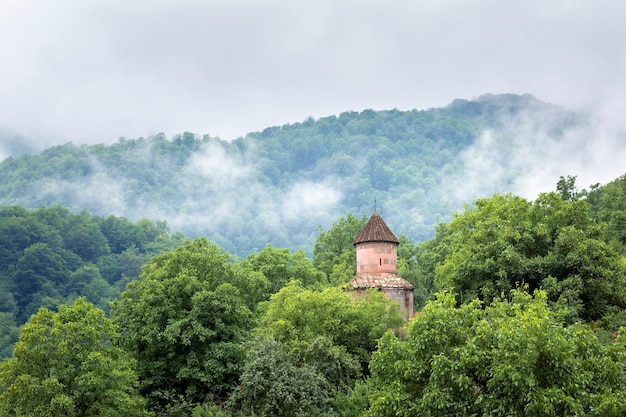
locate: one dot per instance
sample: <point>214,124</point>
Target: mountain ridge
<point>280,184</point>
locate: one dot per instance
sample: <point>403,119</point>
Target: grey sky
<point>91,71</point>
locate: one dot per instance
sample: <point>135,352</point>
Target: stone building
<point>377,264</point>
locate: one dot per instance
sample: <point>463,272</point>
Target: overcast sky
<point>94,70</point>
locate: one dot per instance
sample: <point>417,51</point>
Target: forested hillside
<point>51,256</point>
<point>281,184</point>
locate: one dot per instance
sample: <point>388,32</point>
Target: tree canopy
<point>511,358</point>
<point>51,256</point>
<point>309,346</point>
<point>69,363</point>
<point>207,333</point>
<point>333,253</point>
<point>279,184</point>
<point>504,242</point>
<point>608,204</point>
<point>273,334</point>
<point>185,320</point>
<point>279,266</point>
<point>297,316</point>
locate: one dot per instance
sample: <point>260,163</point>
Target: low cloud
<point>96,192</point>
<point>224,171</point>
<point>530,155</point>
<point>308,198</point>
<point>96,70</point>
<point>485,164</point>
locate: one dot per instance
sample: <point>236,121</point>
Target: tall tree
<point>41,270</point>
<point>276,382</point>
<point>608,204</point>
<point>309,346</point>
<point>428,255</point>
<point>185,319</point>
<point>299,317</point>
<point>566,188</point>
<point>69,364</point>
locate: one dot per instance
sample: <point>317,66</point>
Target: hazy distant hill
<point>280,184</point>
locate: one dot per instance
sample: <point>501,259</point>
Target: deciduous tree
<point>69,364</point>
<point>185,320</point>
<point>333,249</point>
<point>276,382</point>
<point>280,266</point>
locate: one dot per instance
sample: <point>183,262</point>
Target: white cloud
<point>96,192</point>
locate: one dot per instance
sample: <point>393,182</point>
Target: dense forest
<point>279,185</point>
<point>107,309</point>
<point>50,256</point>
<point>520,305</point>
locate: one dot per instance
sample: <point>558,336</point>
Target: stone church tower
<point>376,264</point>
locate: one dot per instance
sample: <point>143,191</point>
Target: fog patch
<point>485,164</point>
<point>308,198</point>
<point>97,192</point>
<point>534,147</point>
<point>217,166</point>
<point>594,153</point>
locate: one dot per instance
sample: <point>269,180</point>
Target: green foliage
<point>506,241</point>
<point>69,364</point>
<point>334,253</point>
<point>309,347</point>
<point>512,358</point>
<point>279,267</point>
<point>40,271</point>
<point>300,317</point>
<point>416,264</point>
<point>9,334</point>
<point>566,188</point>
<point>275,382</point>
<point>50,256</point>
<point>354,401</point>
<point>236,191</point>
<point>608,204</point>
<point>188,320</point>
<point>428,255</point>
<point>185,320</point>
<point>249,192</point>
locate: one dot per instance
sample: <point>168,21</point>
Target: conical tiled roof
<point>376,231</point>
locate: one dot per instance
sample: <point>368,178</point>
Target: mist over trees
<point>279,185</point>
